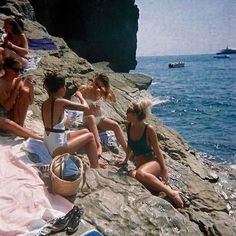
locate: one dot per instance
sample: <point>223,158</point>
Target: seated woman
<point>15,43</point>
<point>16,91</point>
<point>57,140</point>
<point>150,169</point>
<point>94,93</point>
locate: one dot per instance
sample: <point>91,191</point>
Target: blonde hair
<point>141,108</point>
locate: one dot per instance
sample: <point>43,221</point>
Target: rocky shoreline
<point>117,204</point>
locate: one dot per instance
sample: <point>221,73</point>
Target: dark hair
<point>12,63</point>
<point>53,82</point>
<point>105,81</point>
<point>16,28</point>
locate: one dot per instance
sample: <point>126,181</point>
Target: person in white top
<point>57,139</point>
<point>94,93</point>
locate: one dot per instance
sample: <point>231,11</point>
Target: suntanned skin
<point>16,94</point>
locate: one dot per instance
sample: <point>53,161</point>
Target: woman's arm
<point>8,101</point>
<point>153,140</point>
<point>124,161</point>
<point>111,96</point>
<point>23,50</point>
<point>74,105</point>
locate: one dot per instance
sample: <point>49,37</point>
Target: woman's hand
<point>164,175</point>
<point>9,44</point>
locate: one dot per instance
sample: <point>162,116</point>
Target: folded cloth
<point>71,172</point>
<point>108,137</point>
<point>42,44</point>
<point>38,149</point>
<point>26,206</point>
<point>32,63</point>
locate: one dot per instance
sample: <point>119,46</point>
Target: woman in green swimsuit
<point>151,169</point>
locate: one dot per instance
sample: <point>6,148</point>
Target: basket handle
<point>85,168</point>
<point>61,159</point>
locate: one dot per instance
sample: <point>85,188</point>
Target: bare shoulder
<point>151,130</point>
<point>82,87</point>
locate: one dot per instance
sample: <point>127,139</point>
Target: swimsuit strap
<point>52,116</point>
<point>144,132</point>
<point>52,112</point>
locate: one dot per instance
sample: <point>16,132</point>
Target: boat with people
<point>227,50</point>
<point>222,56</point>
<point>176,64</point>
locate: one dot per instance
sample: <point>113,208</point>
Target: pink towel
<point>24,199</point>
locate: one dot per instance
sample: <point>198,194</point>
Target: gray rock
<point>116,204</point>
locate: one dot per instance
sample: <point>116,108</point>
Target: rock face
<point>98,30</point>
<point>116,204</point>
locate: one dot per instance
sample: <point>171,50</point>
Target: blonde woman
<point>151,169</point>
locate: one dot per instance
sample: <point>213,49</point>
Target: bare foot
<point>177,200</point>
<point>102,163</point>
<point>99,150</point>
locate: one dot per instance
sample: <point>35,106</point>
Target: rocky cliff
<point>98,30</point>
<point>117,204</point>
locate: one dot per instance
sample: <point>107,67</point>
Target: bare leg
<point>10,125</point>
<point>147,173</point>
<point>79,139</point>
<point>108,124</point>
<point>91,122</point>
<point>21,106</point>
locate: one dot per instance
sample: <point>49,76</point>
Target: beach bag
<point>67,174</point>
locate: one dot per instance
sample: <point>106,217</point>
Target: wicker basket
<point>64,187</point>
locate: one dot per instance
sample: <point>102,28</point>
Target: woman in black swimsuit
<point>151,169</point>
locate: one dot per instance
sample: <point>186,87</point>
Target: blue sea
<point>198,101</point>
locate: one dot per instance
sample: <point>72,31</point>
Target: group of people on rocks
<point>17,93</point>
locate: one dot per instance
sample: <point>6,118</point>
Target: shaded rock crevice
<point>98,30</point>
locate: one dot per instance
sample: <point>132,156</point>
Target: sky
<point>181,27</point>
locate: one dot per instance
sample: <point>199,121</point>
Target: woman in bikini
<point>57,140</point>
<point>94,94</point>
<point>15,43</point>
<point>151,169</point>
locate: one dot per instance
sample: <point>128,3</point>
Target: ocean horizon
<point>197,100</point>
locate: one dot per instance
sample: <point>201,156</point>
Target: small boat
<point>227,50</point>
<point>221,56</point>
<point>176,64</point>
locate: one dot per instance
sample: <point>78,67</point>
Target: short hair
<point>16,28</point>
<point>140,109</point>
<point>12,63</point>
<point>53,82</point>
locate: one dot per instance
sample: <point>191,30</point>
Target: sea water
<point>198,101</point>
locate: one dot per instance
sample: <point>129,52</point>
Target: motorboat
<point>176,64</point>
<point>227,50</point>
<point>221,56</point>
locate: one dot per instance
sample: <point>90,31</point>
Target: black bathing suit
<point>141,147</point>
